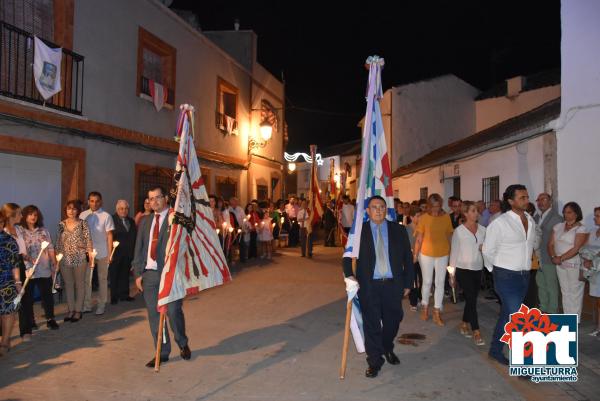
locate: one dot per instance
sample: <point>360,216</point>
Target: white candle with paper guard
<point>452,271</point>
<point>115,245</point>
<point>92,264</point>
<point>58,259</point>
<point>31,271</point>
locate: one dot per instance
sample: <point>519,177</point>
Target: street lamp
<point>266,130</point>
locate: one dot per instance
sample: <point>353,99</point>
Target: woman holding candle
<point>74,241</point>
<point>34,234</point>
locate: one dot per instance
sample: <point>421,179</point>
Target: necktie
<point>381,261</point>
<point>126,224</point>
<point>154,242</point>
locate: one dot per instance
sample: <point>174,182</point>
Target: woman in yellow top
<point>432,248</point>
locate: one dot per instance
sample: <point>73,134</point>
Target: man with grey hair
<point>125,232</point>
<point>547,280</point>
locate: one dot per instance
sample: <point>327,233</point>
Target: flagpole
<point>347,330</point>
<point>159,340</point>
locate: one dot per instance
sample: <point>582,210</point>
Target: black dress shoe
<point>391,358</point>
<point>128,299</point>
<point>372,372</point>
<point>186,353</point>
<point>152,361</point>
<point>51,324</point>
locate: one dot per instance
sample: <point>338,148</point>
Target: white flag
<point>46,68</point>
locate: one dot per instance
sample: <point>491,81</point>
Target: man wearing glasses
<point>385,273</point>
<point>148,262</point>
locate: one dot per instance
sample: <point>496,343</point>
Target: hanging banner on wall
<point>46,68</point>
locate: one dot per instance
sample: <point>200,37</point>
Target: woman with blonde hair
<point>432,248</point>
<point>466,257</point>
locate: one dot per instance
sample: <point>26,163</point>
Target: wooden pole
<point>347,330</point>
<point>159,340</point>
<point>346,340</point>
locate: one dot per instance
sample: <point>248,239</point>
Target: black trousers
<point>253,248</point>
<point>26,318</point>
<point>294,234</point>
<point>26,307</point>
<point>415,292</point>
<point>119,278</point>
<point>531,299</point>
<point>470,281</point>
<point>381,305</point>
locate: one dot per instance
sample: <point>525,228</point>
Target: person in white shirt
<point>101,227</point>
<point>292,209</point>
<point>465,256</point>
<point>563,248</point>
<point>507,251</point>
<point>306,239</point>
<point>347,214</point>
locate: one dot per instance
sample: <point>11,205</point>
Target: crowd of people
<point>472,236</point>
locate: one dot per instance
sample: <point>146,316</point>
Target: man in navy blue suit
<point>385,273</point>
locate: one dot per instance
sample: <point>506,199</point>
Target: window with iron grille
<point>262,192</point>
<point>456,186</point>
<point>150,177</point>
<point>423,193</point>
<point>490,189</point>
<point>226,187</point>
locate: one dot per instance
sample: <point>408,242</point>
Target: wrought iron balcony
<point>16,71</point>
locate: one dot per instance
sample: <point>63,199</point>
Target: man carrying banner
<point>148,263</point>
<point>384,271</point>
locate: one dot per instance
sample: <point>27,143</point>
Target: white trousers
<point>429,265</point>
<point>571,289</point>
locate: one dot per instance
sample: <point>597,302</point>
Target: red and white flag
<point>315,206</point>
<point>194,259</point>
<point>159,94</point>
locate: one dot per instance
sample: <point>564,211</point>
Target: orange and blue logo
<point>542,346</point>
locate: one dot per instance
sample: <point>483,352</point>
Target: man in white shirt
<point>148,262</point>
<point>101,229</point>
<point>347,214</point>
<point>507,251</point>
<point>291,209</point>
<point>306,240</point>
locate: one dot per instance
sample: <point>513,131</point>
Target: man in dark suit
<point>385,273</point>
<point>120,264</point>
<point>148,262</point>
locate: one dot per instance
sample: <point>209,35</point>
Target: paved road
<point>274,333</point>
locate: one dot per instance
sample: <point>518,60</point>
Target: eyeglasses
<point>378,208</point>
<point>157,197</point>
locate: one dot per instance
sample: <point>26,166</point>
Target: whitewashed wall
<point>578,137</point>
<point>517,164</point>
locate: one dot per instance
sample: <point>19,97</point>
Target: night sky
<point>320,50</point>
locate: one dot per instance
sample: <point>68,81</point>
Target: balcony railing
<point>145,89</point>
<point>226,124</point>
<point>16,72</point>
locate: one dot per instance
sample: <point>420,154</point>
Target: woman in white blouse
<point>465,256</point>
<point>566,240</point>
<point>594,240</point>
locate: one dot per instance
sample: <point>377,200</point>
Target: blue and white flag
<point>375,171</point>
